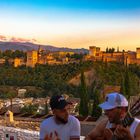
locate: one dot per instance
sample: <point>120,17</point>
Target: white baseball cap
<point>114,100</point>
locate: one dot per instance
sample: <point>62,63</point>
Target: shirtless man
<point>115,108</point>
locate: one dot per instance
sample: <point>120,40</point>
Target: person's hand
<point>122,132</point>
<point>50,137</point>
<point>56,136</point>
<point>108,134</point>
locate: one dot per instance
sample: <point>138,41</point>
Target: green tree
<point>122,86</point>
<point>83,109</point>
<point>30,109</point>
<point>7,53</point>
<point>107,50</point>
<point>95,90</point>
<point>111,50</point>
<point>96,110</point>
<point>7,64</point>
<point>18,54</point>
<point>11,95</point>
<point>127,83</point>
<point>1,54</point>
<point>77,56</point>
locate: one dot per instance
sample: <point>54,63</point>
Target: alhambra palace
<point>95,54</point>
<point>127,58</point>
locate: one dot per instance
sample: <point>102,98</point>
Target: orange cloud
<point>3,38</point>
<point>34,40</point>
<point>14,39</point>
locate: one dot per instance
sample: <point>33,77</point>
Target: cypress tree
<point>127,84</point>
<point>122,86</point>
<point>96,110</point>
<point>83,109</point>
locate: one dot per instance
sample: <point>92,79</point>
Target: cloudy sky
<point>72,23</point>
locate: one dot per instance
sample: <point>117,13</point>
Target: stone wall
<point>17,134</point>
<point>86,127</point>
<point>10,133</point>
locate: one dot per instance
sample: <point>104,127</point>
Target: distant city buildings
<point>32,58</point>
<point>18,62</point>
<point>2,61</point>
<point>127,58</point>
<point>51,58</point>
<point>39,56</point>
<point>43,57</point>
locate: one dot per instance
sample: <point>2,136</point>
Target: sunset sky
<point>72,23</point>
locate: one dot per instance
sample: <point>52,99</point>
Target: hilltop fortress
<point>129,57</point>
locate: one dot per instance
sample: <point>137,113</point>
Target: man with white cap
<point>115,108</point>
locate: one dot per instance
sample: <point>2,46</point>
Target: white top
<point>65,131</point>
<point>132,127</point>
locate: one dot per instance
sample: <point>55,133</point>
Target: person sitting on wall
<point>115,108</point>
<point>61,126</point>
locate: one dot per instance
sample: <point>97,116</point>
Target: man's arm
<point>137,133</point>
<point>97,131</point>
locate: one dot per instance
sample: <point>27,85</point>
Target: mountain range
<point>27,46</point>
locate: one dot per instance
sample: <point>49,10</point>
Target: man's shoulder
<point>47,121</point>
<point>137,130</point>
<point>138,127</point>
<point>137,120</point>
<point>102,123</point>
<point>73,119</point>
